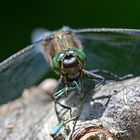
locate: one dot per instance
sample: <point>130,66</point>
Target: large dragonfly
<point>105,48</point>
<point>66,51</point>
<point>117,50</point>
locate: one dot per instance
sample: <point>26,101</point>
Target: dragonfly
<point>68,51</point>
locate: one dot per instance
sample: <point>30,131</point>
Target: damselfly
<point>63,51</point>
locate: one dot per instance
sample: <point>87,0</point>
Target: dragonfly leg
<point>57,129</point>
<point>65,90</point>
<point>57,95</point>
<point>59,92</point>
<point>95,77</point>
<point>56,98</point>
<point>112,75</point>
<point>77,116</point>
<point>60,125</point>
<point>64,106</point>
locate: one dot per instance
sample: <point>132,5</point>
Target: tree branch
<point>109,112</point>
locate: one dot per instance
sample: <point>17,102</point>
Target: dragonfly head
<point>69,62</point>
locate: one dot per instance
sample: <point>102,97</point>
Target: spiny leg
<point>62,89</point>
<point>95,77</point>
<point>57,95</point>
<point>112,75</point>
<point>77,116</point>
<point>60,125</point>
<point>57,113</point>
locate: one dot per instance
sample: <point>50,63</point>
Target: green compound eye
<point>80,54</point>
<point>56,62</point>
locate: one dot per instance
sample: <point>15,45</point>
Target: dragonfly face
<point>69,64</point>
<point>116,50</point>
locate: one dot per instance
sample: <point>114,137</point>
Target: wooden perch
<point>110,112</point>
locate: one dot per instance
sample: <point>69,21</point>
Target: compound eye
<point>61,56</point>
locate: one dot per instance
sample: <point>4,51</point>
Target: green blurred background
<point>19,18</point>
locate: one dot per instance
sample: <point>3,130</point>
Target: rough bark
<point>110,112</point>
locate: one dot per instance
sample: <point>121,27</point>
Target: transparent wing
<point>116,50</point>
<point>21,70</point>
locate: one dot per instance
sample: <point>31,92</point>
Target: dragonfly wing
<point>134,32</point>
<point>116,50</point>
<point>39,34</point>
<point>21,70</point>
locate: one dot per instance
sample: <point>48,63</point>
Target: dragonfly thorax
<point>58,43</point>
